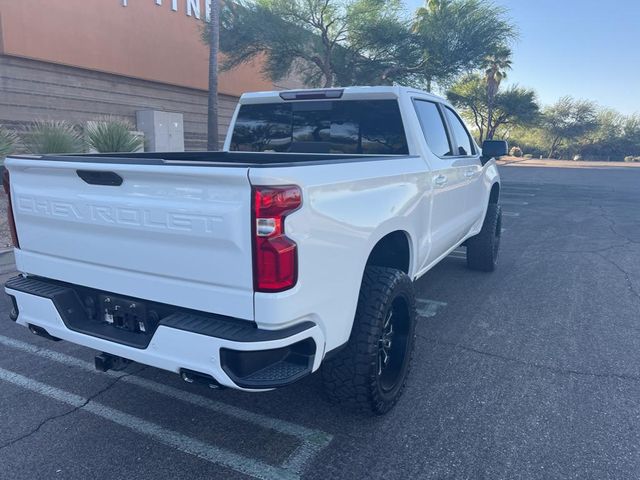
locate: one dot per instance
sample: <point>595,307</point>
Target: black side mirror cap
<point>493,149</point>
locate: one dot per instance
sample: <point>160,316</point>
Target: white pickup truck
<point>293,249</point>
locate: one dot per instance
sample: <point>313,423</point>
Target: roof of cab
<point>348,93</point>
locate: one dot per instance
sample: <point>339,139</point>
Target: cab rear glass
<point>366,127</point>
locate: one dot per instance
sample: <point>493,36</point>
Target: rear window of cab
<point>367,127</point>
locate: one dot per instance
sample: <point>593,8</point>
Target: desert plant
<point>112,135</point>
<point>528,155</point>
<point>515,152</point>
<point>7,142</point>
<point>51,136</point>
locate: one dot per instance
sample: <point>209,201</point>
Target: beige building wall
<point>79,59</point>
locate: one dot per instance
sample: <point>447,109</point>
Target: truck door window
<point>463,139</point>
<point>325,126</point>
<point>433,127</point>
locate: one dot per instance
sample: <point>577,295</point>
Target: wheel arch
<point>494,195</point>
<point>393,250</point>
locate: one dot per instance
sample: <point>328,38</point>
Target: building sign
<point>190,7</point>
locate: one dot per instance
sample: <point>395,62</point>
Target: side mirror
<point>493,149</point>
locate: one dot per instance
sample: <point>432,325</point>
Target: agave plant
<point>112,135</point>
<point>52,136</point>
<point>7,142</point>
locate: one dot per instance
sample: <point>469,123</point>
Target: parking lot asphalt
<point>532,371</point>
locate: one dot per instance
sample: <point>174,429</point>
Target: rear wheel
<point>370,372</point>
<point>482,249</point>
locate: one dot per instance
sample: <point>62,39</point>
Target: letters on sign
<point>191,7</point>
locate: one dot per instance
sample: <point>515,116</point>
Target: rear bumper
<point>235,353</point>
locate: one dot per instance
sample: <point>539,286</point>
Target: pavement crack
<point>61,415</point>
<point>540,366</point>
<point>624,272</point>
<point>597,250</point>
<point>612,225</point>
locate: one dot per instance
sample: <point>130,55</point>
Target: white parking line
<point>428,308</point>
<point>510,214</point>
<point>513,202</point>
<point>519,187</point>
<point>520,194</point>
<point>313,441</point>
<point>179,441</point>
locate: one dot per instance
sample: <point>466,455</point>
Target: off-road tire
<point>352,377</point>
<point>483,248</point>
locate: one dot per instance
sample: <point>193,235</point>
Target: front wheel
<point>370,372</point>
<point>482,249</point>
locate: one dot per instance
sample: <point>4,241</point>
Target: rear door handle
<point>440,180</point>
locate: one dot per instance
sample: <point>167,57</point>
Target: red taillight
<point>275,256</point>
<point>10,220</point>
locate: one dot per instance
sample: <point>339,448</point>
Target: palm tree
<point>214,45</point>
<point>496,66</point>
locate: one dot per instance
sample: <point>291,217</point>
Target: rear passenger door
<point>469,168</point>
<point>448,216</point>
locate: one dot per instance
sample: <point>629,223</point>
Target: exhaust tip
<point>190,376</point>
<point>41,332</point>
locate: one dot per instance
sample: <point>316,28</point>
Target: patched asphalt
<point>532,371</point>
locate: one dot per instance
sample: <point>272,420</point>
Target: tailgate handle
<point>95,177</point>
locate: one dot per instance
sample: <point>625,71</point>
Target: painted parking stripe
<point>519,194</point>
<point>510,214</point>
<point>313,441</point>
<point>507,201</point>
<point>519,187</point>
<point>281,426</point>
<point>428,308</point>
<point>206,451</point>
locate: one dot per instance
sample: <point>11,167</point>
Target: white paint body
<point>181,235</point>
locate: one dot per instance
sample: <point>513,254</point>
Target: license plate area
<point>125,314</point>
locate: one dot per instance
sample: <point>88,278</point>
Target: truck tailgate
<point>170,233</point>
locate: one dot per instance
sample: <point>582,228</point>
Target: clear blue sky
<point>584,48</point>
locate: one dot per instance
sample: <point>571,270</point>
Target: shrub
<point>7,142</point>
<point>112,135</point>
<point>52,136</point>
<point>631,158</point>
<point>515,152</point>
<point>528,155</point>
<point>577,158</point>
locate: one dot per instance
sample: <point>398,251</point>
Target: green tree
<point>332,42</point>
<point>310,37</point>
<point>604,142</point>
<point>515,106</point>
<point>568,120</point>
<point>495,68</point>
<point>455,36</point>
<point>631,135</point>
